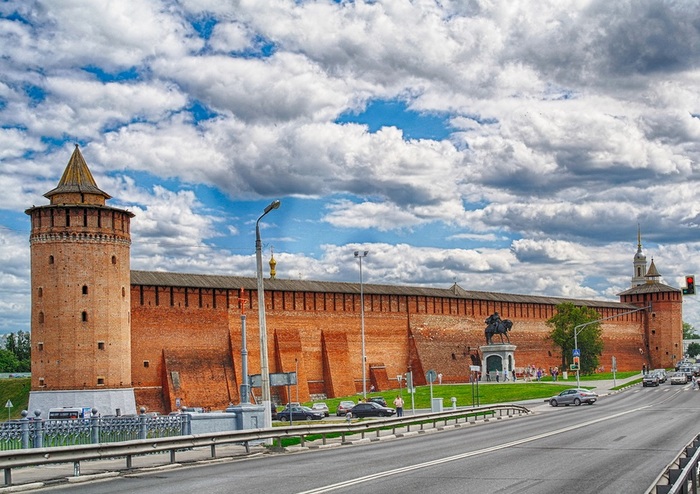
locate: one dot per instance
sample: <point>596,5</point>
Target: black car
<point>371,409</point>
<point>299,413</point>
<point>378,399</point>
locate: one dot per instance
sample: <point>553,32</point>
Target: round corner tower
<point>80,282</point>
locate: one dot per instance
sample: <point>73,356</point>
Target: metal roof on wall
<point>188,280</point>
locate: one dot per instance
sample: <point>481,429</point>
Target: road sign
<point>8,404</point>
<point>577,352</point>
<point>431,375</point>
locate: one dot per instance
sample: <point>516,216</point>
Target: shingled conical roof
<point>77,179</point>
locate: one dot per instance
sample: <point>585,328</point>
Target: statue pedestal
<point>495,359</point>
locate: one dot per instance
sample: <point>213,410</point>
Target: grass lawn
<point>488,393</point>
<point>16,390</point>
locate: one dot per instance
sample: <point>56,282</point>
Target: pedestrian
<point>398,404</point>
<point>513,375</point>
<point>371,388</point>
<point>440,378</point>
<point>505,375</point>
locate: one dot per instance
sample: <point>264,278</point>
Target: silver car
<point>321,407</point>
<point>574,396</point>
<point>679,378</point>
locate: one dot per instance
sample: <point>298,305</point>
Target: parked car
<point>299,413</point>
<point>650,379</point>
<point>679,378</point>
<point>321,407</point>
<point>371,409</point>
<point>344,407</point>
<point>378,399</point>
<point>574,396</point>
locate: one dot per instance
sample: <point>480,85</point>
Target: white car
<point>321,407</point>
<point>679,378</point>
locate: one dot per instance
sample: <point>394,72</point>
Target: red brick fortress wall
<point>318,335</point>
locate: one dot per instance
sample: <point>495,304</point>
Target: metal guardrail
<point>681,475</point>
<point>40,433</point>
<point>129,449</point>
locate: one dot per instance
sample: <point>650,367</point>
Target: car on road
<point>662,374</point>
<point>299,413</point>
<point>679,378</point>
<point>371,409</point>
<point>650,379</point>
<point>321,407</point>
<point>344,407</point>
<point>574,396</point>
<point>378,399</point>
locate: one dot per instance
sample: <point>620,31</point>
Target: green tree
<point>8,361</point>
<point>20,346</point>
<point>693,349</point>
<point>689,332</point>
<point>590,341</point>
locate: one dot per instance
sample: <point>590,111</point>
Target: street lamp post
<point>360,255</point>
<point>264,368</point>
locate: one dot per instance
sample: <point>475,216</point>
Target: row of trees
<point>16,356</point>
<point>590,341</point>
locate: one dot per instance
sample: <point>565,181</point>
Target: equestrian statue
<point>496,325</point>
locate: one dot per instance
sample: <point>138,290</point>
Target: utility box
<point>247,416</point>
<point>436,405</point>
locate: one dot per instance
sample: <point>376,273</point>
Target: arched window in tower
<point>67,217</point>
<point>114,259</point>
<point>85,290</point>
<point>84,316</point>
<point>41,318</point>
<point>123,292</point>
<point>41,292</point>
<point>50,259</point>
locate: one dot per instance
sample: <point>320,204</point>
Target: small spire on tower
<point>273,263</point>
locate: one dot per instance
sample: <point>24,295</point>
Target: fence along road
<point>24,458</point>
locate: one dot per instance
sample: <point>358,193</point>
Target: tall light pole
<point>264,368</point>
<point>360,255</point>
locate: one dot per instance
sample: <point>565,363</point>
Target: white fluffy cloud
<point>571,123</point>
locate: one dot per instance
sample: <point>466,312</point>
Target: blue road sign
<point>577,352</point>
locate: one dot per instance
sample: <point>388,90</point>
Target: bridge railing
<point>39,433</point>
<point>681,476</point>
<point>22,458</point>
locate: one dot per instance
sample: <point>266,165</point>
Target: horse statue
<point>496,325</point>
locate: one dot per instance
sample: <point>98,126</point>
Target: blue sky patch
<point>393,113</point>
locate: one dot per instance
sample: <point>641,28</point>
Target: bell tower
<point>80,282</point>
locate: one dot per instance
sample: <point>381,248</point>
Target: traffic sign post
<point>9,406</point>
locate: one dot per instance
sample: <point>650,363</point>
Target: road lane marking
<point>396,471</point>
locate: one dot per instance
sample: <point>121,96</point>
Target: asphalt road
<point>619,445</point>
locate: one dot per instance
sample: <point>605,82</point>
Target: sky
<point>486,143</point>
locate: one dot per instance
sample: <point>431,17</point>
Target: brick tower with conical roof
<point>663,322</point>
<point>80,277</point>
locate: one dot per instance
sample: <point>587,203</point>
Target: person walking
<point>398,404</point>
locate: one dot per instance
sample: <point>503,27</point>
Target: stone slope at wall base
<point>106,401</point>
